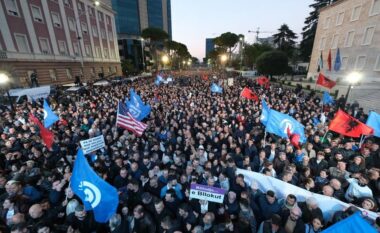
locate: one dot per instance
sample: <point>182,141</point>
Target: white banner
<point>34,93</point>
<point>230,82</point>
<point>249,73</point>
<point>208,193</point>
<point>92,144</point>
<point>328,205</point>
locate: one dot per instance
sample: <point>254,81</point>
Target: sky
<point>195,20</point>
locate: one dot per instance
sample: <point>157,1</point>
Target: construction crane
<point>258,32</point>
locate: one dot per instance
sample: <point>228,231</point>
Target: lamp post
<point>142,54</point>
<point>165,60</point>
<point>4,80</point>
<point>223,59</point>
<point>352,79</point>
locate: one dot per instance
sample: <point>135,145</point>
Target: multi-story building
<point>210,45</point>
<point>132,17</point>
<point>57,40</point>
<point>353,26</point>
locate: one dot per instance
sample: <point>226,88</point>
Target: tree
<point>308,32</point>
<point>252,52</point>
<point>272,63</point>
<point>156,36</point>
<point>284,39</point>
<point>178,52</point>
<point>228,41</point>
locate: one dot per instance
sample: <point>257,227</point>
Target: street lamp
<point>4,80</point>
<point>165,59</point>
<point>142,54</point>
<point>97,3</point>
<point>353,78</point>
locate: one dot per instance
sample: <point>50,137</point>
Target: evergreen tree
<point>308,32</point>
<point>285,40</point>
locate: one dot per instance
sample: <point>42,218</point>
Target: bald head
<point>35,211</point>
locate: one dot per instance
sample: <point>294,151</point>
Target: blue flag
<point>338,62</point>
<point>49,116</point>
<point>327,98</point>
<point>216,89</point>
<point>278,123</point>
<point>95,193</point>
<point>264,112</point>
<point>374,122</point>
<point>316,121</point>
<point>353,224</point>
<point>136,106</point>
<point>159,80</point>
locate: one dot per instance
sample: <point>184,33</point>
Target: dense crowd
<point>193,136</point>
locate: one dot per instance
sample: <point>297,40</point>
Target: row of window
<point>349,40</point>
<point>355,14</point>
<point>23,47</point>
<point>12,9</point>
<point>69,73</point>
<point>360,63</point>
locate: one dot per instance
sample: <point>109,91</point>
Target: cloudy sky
<point>195,20</point>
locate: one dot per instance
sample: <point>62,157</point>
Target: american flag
<point>126,121</point>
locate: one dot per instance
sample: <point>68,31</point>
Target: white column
<point>116,45</point>
<point>90,30</point>
<point>30,27</point>
<point>99,32</point>
<point>4,29</point>
<point>49,24</point>
<point>108,40</point>
<point>66,28</point>
<point>79,26</point>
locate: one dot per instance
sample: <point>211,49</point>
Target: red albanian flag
<point>349,126</point>
<point>294,138</point>
<point>46,135</point>
<point>249,94</point>
<point>325,82</point>
<point>262,80</point>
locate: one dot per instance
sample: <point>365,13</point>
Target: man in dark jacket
<point>293,223</point>
<point>143,222</point>
<point>268,205</point>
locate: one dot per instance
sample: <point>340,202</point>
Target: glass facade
<point>210,45</point>
<point>155,18</point>
<point>127,17</point>
<point>169,10</point>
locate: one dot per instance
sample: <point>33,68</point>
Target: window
<point>53,75</point>
<point>110,36</point>
<point>377,64</point>
<point>94,31</point>
<point>344,63</point>
<point>56,19</point>
<point>368,35</point>
<point>105,51</point>
<point>98,52</point>
<point>104,35</point>
<point>100,15</point>
<point>76,49</point>
<point>349,39</point>
<point>360,62</point>
<point>109,70</point>
<point>80,6</point>
<point>112,53</point>
<point>108,19</point>
<point>92,71</point>
<point>375,9</point>
<point>44,43</point>
<point>334,41</point>
<point>84,28</point>
<point>67,3</point>
<point>322,43</point>
<point>356,13</point>
<point>11,6</point>
<point>71,24</point>
<point>62,47</point>
<point>22,43</point>
<point>340,18</point>
<point>327,23</point>
<point>87,49</point>
<point>91,11</point>
<point>68,73</point>
<point>37,15</point>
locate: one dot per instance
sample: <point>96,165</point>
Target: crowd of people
<point>193,136</point>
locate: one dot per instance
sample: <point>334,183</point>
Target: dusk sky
<point>195,20</point>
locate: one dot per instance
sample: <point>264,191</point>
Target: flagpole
<point>362,138</point>
<point>324,136</point>
<point>265,136</point>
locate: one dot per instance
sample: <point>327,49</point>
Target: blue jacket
<point>268,209</point>
<point>177,190</point>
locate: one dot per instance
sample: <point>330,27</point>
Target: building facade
<point>210,45</point>
<point>353,26</point>
<point>132,17</point>
<point>57,40</point>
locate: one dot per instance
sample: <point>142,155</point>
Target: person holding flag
<point>216,89</point>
